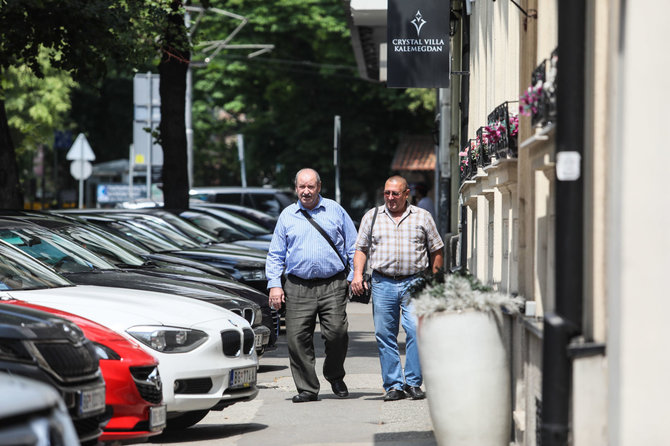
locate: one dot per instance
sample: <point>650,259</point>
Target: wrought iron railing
<point>502,129</point>
<point>539,100</point>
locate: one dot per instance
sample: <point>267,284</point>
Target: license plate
<point>258,340</point>
<point>91,401</point>
<point>157,418</point>
<point>241,378</point>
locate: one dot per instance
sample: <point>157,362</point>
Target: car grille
<point>148,383</point>
<point>193,386</point>
<point>246,313</point>
<point>69,360</point>
<point>233,343</point>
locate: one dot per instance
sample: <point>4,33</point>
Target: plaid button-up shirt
<point>401,248</point>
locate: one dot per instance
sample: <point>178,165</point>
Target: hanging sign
<point>418,43</point>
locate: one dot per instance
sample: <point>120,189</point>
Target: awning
<point>415,153</point>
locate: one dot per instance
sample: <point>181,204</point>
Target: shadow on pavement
<point>202,432</point>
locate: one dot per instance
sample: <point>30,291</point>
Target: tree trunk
<point>173,66</point>
<point>10,190</point>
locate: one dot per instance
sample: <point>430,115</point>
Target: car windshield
<point>21,272</point>
<point>222,230</point>
<point>163,230</point>
<point>189,229</point>
<point>102,246</point>
<point>47,246</point>
<point>133,232</point>
<point>238,221</point>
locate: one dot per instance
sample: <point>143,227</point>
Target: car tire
<point>185,420</point>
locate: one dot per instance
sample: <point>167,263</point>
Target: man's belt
<point>394,276</point>
<point>338,276</point>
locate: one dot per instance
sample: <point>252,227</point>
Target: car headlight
<point>258,316</point>
<point>252,274</point>
<point>168,339</point>
<point>105,352</point>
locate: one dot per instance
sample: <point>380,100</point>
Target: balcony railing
<point>539,101</point>
<point>496,140</point>
<point>502,130</point>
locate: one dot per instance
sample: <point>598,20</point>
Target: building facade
<point>560,194</point>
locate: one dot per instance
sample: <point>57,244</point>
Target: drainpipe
<point>566,322</point>
<point>464,113</point>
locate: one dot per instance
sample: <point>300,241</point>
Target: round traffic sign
<point>80,169</point>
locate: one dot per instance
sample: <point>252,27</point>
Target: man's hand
<point>276,297</point>
<point>358,285</point>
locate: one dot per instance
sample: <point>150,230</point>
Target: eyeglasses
<point>392,193</point>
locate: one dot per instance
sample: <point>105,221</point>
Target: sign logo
<point>418,22</point>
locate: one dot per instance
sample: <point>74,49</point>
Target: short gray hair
<point>295,180</point>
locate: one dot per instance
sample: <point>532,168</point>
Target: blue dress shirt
<point>298,248</point>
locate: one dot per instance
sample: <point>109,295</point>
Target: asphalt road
<point>361,419</point>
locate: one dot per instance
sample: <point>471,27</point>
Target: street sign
<point>81,169</point>
<point>80,150</point>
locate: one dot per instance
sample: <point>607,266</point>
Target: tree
<point>80,36</point>
<point>284,102</point>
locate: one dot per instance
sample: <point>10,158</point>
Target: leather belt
<point>294,278</point>
<point>394,276</point>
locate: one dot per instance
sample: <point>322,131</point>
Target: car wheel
<point>185,420</point>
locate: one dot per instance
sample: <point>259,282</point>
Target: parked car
<point>50,349</point>
<point>101,244</point>
<point>259,217</point>
<point>36,413</point>
<point>83,267</point>
<point>224,231</point>
<point>268,200</point>
<point>206,355</point>
<point>134,390</point>
<point>241,263</point>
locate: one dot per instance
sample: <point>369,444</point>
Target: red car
<point>134,389</point>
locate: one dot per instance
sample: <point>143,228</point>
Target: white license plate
<point>157,418</point>
<point>91,401</point>
<point>258,340</point>
<point>240,378</point>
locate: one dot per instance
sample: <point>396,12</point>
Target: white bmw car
<point>206,354</point>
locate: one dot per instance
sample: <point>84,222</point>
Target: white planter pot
<point>466,375</point>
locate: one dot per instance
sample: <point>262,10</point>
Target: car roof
<point>238,190</point>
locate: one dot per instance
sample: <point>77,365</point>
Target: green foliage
<point>284,102</point>
<point>36,106</point>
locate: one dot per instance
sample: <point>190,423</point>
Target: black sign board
<point>418,43</point>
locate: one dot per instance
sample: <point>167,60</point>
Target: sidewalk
<point>361,419</point>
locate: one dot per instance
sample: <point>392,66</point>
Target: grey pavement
<point>362,419</point>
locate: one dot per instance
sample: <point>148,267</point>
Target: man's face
<point>395,196</point>
<point>308,189</point>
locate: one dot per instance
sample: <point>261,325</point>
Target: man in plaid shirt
<point>404,242</point>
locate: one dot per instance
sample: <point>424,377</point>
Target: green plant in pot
<point>464,358</point>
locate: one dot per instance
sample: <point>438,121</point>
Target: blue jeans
<point>389,305</point>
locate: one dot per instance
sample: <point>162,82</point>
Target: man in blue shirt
<point>316,284</point>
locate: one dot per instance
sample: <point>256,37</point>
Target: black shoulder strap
<point>367,257</point>
<point>325,235</point>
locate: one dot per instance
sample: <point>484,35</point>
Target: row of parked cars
<point>141,320</point>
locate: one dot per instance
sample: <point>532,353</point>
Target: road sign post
<point>80,154</point>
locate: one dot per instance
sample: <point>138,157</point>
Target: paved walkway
<point>362,419</point>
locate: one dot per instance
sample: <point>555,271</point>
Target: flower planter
<point>466,374</point>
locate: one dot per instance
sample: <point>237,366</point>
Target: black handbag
<point>365,296</point>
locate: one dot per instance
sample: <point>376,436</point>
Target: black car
<point>259,217</point>
<point>241,263</point>
<point>47,348</point>
<point>83,267</point>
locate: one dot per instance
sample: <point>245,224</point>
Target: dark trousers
<point>305,300</point>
